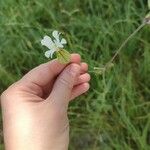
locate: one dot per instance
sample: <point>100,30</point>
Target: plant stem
<point>124,43</point>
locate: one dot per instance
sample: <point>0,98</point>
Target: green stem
<point>124,43</point>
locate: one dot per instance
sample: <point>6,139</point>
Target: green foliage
<point>114,114</point>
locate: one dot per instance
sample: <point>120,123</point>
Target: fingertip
<point>75,58</point>
<point>84,67</point>
<point>88,77</point>
<point>86,87</point>
<point>75,55</point>
<point>79,90</point>
<point>83,78</point>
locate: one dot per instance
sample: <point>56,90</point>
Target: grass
<point>114,114</point>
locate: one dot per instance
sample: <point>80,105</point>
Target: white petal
<point>63,41</point>
<point>52,52</point>
<point>58,44</point>
<point>48,54</point>
<point>47,41</point>
<point>56,35</point>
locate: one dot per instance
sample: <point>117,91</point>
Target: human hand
<point>34,109</point>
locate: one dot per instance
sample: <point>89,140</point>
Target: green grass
<point>115,113</point>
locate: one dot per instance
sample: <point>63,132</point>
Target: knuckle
<point>65,82</point>
<point>72,71</point>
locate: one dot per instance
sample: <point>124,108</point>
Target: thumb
<point>64,83</point>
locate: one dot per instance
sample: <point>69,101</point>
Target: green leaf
<point>63,56</point>
<point>149,4</point>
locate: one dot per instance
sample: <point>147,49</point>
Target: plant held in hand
<point>56,45</point>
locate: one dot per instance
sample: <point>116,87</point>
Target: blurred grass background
<point>115,113</point>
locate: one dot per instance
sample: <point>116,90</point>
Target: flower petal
<point>48,54</point>
<point>47,41</point>
<point>52,52</point>
<point>63,41</point>
<point>58,44</point>
<point>56,35</point>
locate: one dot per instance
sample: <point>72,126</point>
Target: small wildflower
<point>56,45</point>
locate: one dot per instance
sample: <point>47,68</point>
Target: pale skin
<point>34,109</point>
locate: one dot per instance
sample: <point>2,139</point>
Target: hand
<point>34,109</point>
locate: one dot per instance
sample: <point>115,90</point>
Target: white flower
<point>53,45</point>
